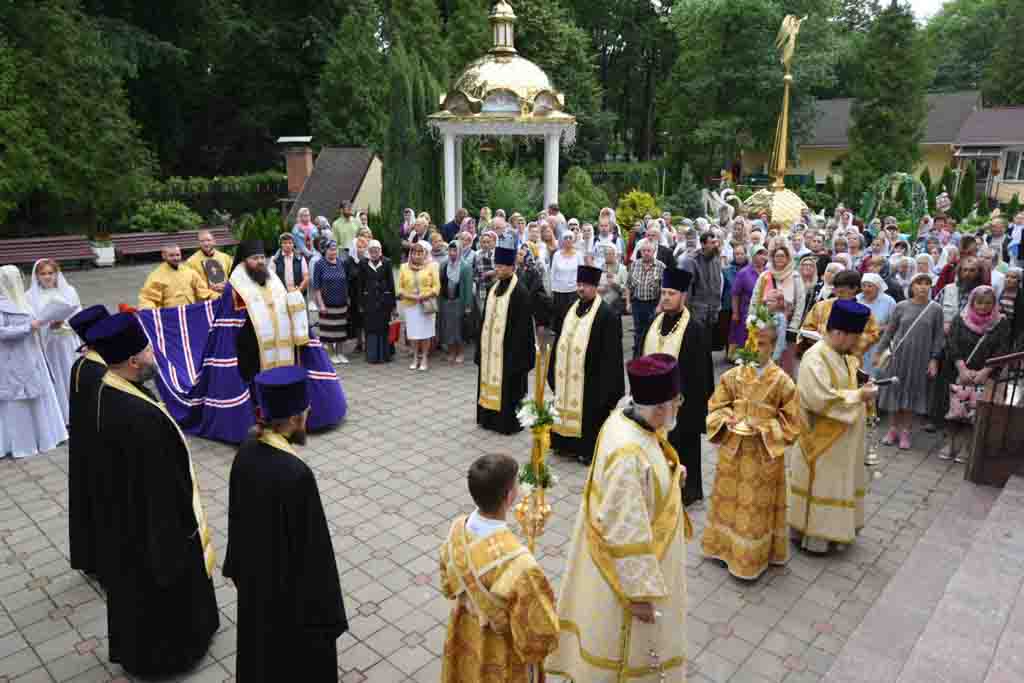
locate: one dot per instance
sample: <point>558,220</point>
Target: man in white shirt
<point>987,257</point>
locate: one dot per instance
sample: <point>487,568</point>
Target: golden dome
<point>501,82</point>
<point>782,206</point>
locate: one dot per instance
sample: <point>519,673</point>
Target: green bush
<point>200,185</point>
<point>503,187</point>
<point>633,206</point>
<point>261,225</point>
<point>817,200</point>
<point>1013,208</point>
<point>579,197</point>
<point>168,216</point>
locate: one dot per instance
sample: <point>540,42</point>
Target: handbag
<point>394,331</point>
<point>963,398</point>
<point>886,356</point>
<point>429,305</point>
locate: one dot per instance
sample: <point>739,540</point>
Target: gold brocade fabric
<point>167,287</point>
<point>671,343</point>
<point>117,382</point>
<point>492,346</point>
<point>570,369</point>
<point>817,321</point>
<point>746,525</point>
<point>267,308</point>
<point>628,544</point>
<point>827,474</point>
<point>503,621</point>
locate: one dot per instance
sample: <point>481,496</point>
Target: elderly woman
<point>331,279</point>
<point>376,284</point>
<point>736,264</point>
<point>305,233</point>
<point>812,283</point>
<point>831,270</point>
<point>30,417</point>
<point>59,342</point>
<point>874,295</point>
<point>419,285</point>
<point>1011,287</point>
<point>455,302</point>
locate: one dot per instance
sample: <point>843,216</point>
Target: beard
<point>259,274</point>
<point>174,266</point>
<point>146,373</point>
<point>298,437</point>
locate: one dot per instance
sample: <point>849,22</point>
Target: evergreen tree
<point>963,204</point>
<point>830,186</point>
<point>890,109</point>
<point>468,31</point>
<point>349,104</point>
<point>415,25</point>
<point>1003,84</point>
<point>948,183</point>
<point>929,189</point>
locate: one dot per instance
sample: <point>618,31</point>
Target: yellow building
<point>993,140</point>
<point>825,151</point>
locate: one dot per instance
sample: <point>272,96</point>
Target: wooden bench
<point>27,250</point>
<point>137,243</point>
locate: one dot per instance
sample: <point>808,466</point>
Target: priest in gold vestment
<point>828,477</point>
<point>846,284</point>
<point>211,264</point>
<point>622,604</point>
<point>503,621</point>
<point>746,526</point>
<point>172,284</point>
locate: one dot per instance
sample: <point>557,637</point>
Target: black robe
<point>281,560</point>
<point>161,609</point>
<point>376,295</point>
<point>83,533</point>
<point>605,382</point>
<point>518,357</point>
<point>697,381</point>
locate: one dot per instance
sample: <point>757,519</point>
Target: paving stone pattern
<point>393,477</point>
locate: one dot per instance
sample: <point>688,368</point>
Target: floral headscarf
<point>977,323</point>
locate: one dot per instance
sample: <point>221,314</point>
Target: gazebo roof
<point>503,89</point>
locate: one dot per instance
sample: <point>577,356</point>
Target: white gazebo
<point>501,94</point>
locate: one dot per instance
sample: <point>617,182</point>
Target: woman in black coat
<point>376,282</point>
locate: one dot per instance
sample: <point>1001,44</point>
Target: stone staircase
<point>954,612</point>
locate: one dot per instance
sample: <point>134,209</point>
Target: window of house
<point>1014,167</point>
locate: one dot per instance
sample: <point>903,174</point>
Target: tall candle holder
<point>533,511</point>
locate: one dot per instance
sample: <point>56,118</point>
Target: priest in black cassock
<point>686,339</point>
<point>86,376</point>
<point>586,372</point>
<point>157,555</point>
<point>280,556</point>
<point>507,349</point>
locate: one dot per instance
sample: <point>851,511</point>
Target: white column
<point>458,173</point>
<point>550,169</point>
<point>449,176</point>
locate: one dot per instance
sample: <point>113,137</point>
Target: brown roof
<point>337,175</point>
<point>1002,126</point>
<point>946,114</point>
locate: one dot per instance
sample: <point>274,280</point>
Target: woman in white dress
<point>30,417</point>
<point>60,343</point>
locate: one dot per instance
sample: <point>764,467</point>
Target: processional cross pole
<point>785,41</point>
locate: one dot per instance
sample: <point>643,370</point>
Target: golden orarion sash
<point>470,560</point>
<point>671,343</point>
<point>271,313</point>
<point>492,345</point>
<point>570,369</point>
<point>209,557</point>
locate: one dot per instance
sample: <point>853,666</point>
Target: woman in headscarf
<point>30,417</point>
<point>742,291</point>
<point>419,283</point>
<point>737,263</point>
<point>376,283</point>
<point>405,231</point>
<point>484,223</point>
<point>782,289</point>
<point>874,295</point>
<point>564,264</point>
<point>923,263</point>
<point>831,270</point>
<point>977,333</point>
<point>902,270</point>
<point>946,268</point>
<point>59,342</point>
<point>812,283</point>
<point>331,279</point>
<point>455,302</point>
<point>843,259</point>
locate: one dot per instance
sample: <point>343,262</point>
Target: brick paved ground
<point>391,479</point>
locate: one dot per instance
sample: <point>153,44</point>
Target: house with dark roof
<point>338,174</point>
<point>826,148</point>
<point>993,140</point>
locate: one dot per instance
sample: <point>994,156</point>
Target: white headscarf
<point>12,291</point>
<point>876,280</point>
<point>947,252</point>
<point>38,296</point>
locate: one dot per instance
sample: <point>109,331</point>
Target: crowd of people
<point>818,317</point>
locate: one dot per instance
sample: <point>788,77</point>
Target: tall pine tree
<point>1003,84</point>
<point>349,104</point>
<point>889,109</point>
<point>467,31</point>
